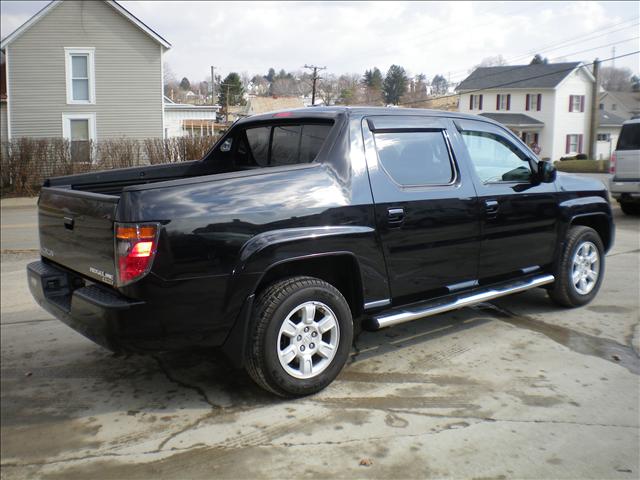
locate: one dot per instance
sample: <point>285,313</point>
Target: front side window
<point>495,159</point>
<point>415,158</point>
<point>80,75</point>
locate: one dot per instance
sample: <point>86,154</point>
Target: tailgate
<point>627,165</point>
<point>76,231</point>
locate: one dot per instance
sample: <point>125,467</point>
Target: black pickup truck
<point>298,226</point>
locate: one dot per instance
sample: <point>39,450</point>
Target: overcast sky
<point>349,37</point>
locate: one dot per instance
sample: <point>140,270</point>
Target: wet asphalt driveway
<point>513,389</point>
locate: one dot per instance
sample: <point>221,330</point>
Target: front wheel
<point>580,268</point>
<point>301,336</point>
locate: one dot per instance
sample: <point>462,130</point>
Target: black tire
<point>630,208</point>
<point>270,310</point>
<point>563,291</point>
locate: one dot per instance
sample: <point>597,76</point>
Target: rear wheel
<point>301,336</point>
<point>580,269</point>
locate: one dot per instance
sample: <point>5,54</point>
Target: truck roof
<point>332,111</point>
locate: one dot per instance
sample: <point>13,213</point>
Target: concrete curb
<point>18,202</point>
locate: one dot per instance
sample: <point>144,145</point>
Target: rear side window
<point>415,158</point>
<point>277,145</point>
<point>629,137</point>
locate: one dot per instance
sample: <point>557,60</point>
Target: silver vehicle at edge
<point>624,183</point>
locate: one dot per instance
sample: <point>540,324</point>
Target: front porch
<point>528,129</point>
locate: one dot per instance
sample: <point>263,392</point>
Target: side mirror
<point>546,172</point>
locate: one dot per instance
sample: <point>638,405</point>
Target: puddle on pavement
<point>583,343</point>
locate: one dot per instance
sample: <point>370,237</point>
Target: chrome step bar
<point>433,308</point>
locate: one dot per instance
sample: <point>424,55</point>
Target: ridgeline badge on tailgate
<point>106,277</point>
<point>46,251</point>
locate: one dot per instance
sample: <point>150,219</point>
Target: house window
<point>614,107</point>
<point>574,143</point>
<point>503,102</point>
<point>475,102</point>
<point>80,71</point>
<point>601,106</point>
<point>576,103</point>
<point>533,102</point>
<point>80,130</point>
<point>604,137</point>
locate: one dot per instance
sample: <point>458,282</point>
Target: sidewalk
<point>18,202</point>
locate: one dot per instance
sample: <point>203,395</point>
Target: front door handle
<point>491,207</point>
<point>395,216</point>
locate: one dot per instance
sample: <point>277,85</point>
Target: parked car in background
<point>624,183</point>
<point>298,226</point>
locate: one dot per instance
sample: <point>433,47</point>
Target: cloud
<point>424,37</point>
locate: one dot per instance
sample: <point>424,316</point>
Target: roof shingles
<point>518,76</point>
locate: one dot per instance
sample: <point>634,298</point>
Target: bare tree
<point>494,61</point>
<point>616,79</point>
<point>328,89</point>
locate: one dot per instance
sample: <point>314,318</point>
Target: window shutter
<point>580,143</point>
<point>508,101</point>
<point>570,104</point>
<point>539,106</point>
<point>568,146</point>
<point>582,103</point>
<point>498,102</point>
<point>470,102</point>
<point>527,102</point>
<point>535,138</point>
<point>480,104</point>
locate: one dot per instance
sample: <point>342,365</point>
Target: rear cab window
<point>277,144</point>
<point>629,137</point>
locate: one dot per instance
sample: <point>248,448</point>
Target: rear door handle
<point>395,216</point>
<point>491,207</point>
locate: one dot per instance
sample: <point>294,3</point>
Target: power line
<point>523,79</point>
<point>599,47</point>
<point>566,43</point>
<point>502,71</point>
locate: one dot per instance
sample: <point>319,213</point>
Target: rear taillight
<point>136,246</point>
<point>612,163</point>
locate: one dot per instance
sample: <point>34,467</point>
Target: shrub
<point>26,162</point>
<point>583,166</point>
<point>581,156</point>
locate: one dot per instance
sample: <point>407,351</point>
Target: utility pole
<point>226,119</point>
<point>593,130</point>
<point>213,80</point>
<point>314,78</point>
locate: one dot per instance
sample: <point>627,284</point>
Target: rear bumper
<point>621,189</point>
<point>101,315</point>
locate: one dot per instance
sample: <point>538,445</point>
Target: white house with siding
<point>84,70</point>
<point>548,104</point>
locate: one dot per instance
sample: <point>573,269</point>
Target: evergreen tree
<point>395,84</point>
<point>185,84</point>
<point>233,85</point>
<point>539,60</point>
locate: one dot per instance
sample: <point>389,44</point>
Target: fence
<point>26,162</point>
